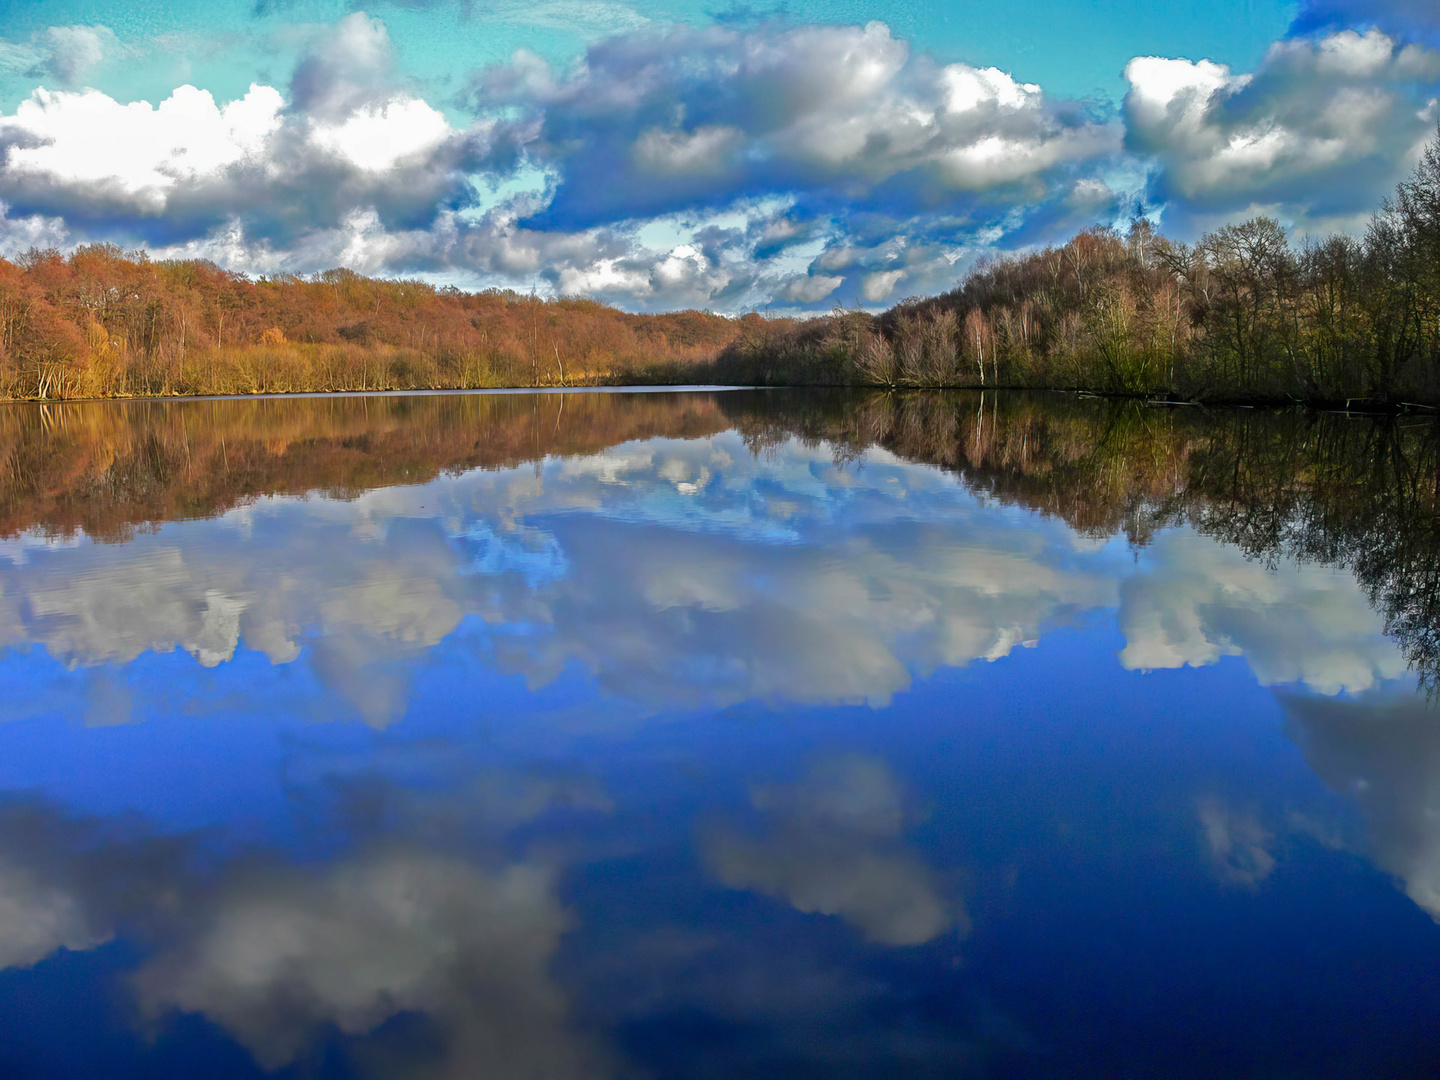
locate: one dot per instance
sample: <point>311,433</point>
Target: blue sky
<point>694,155</point>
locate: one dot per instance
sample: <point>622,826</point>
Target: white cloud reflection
<point>280,957</point>
<point>679,574</point>
<point>1199,600</point>
<point>1382,753</point>
<point>833,849</point>
<point>280,954</point>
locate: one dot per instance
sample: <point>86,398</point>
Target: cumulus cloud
<point>1202,600</point>
<point>21,234</point>
<point>189,167</point>
<point>139,152</point>
<point>879,285</point>
<point>347,66</point>
<point>1322,129</point>
<point>350,141</point>
<point>833,849</point>
<point>859,136</point>
<point>656,122</point>
<point>716,167</point>
<point>812,288</point>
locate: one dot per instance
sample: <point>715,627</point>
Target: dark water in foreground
<point>716,735</point>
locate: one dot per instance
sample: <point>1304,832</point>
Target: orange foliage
<point>104,322</point>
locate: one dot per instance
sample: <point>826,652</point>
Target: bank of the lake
<point>1245,315</point>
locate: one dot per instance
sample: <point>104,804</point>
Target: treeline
<point>1243,314</point>
<point>104,323</point>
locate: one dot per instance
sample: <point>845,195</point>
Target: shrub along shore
<point>1243,315</point>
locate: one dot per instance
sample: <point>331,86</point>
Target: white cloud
<point>378,139</point>
<point>870,148</point>
<point>878,286</point>
<point>799,105</point>
<point>261,182</point>
<point>138,152</point>
<point>811,289</point>
<point>346,66</point>
<point>1323,126</point>
<point>705,150</point>
<point>21,234</point>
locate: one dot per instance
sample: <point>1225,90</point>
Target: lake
<point>717,734</point>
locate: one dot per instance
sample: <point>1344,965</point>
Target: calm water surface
<point>715,735</point>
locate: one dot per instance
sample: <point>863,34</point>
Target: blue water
<point>678,759</point>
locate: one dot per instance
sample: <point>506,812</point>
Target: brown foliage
<point>109,468</point>
<point>1243,314</point>
<point>104,322</point>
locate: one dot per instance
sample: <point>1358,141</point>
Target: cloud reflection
<point>1238,845</point>
<point>833,847</point>
<point>284,954</point>
<point>678,574</point>
<point>1200,600</point>
<point>1382,753</point>
<point>280,954</point>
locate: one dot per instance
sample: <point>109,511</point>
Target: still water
<point>717,734</point>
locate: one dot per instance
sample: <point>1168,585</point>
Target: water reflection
<point>716,733</point>
<point>831,848</point>
<point>1383,755</point>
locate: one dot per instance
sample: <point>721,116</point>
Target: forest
<point>1243,314</point>
<point>103,322</point>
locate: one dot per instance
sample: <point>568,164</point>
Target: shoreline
<point>1344,406</point>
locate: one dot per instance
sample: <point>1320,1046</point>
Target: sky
<point>659,156</point>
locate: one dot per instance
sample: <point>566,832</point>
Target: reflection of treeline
<point>1356,492</point>
<point>103,323</point>
<point>110,467</point>
<point>1362,493</point>
<point>1241,314</point>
